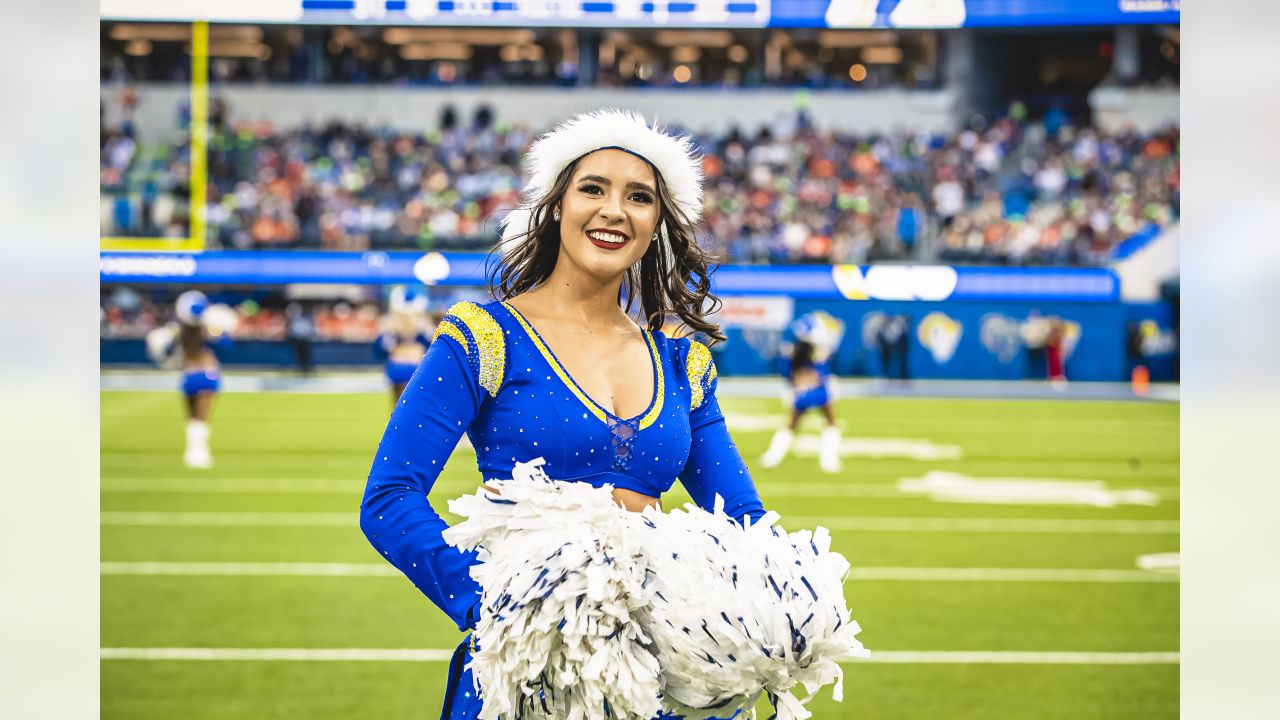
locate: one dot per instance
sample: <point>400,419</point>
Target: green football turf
<point>296,454</point>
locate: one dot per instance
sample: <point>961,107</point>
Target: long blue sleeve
<point>437,406</point>
<point>715,466</point>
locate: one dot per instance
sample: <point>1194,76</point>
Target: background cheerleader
<point>188,342</point>
<point>804,364</point>
<point>405,336</point>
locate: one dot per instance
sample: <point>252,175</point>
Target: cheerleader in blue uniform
<point>404,338</point>
<point>557,368</point>
<point>199,327</point>
<point>809,381</point>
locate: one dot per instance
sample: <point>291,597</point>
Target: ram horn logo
<point>940,335</point>
<point>1001,335</point>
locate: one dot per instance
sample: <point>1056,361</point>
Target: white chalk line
<point>914,657</point>
<point>831,522</point>
<point>986,525</point>
<point>910,574</point>
<point>288,486</point>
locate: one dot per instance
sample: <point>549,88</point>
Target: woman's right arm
<point>437,406</point>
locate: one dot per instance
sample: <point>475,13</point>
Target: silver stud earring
<point>556,216</point>
<point>655,237</point>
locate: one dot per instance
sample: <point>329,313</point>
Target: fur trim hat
<point>672,156</point>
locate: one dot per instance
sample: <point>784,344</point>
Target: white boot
<point>197,454</point>
<point>779,446</point>
<point>829,449</point>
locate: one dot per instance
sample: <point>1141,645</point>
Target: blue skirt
<point>400,372</point>
<point>195,382</point>
<point>812,398</point>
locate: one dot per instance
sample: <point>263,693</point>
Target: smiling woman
<point>614,159</point>
<point>557,374</point>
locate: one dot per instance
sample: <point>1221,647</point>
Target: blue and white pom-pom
<point>591,612</point>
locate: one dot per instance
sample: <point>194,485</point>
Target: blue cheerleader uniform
<point>490,375</point>
<point>814,397</point>
<point>201,380</point>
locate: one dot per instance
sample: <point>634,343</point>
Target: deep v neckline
<point>640,421</point>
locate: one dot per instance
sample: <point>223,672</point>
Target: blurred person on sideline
<point>809,385</point>
<point>405,337</point>
<point>1055,355</point>
<point>893,338</point>
<point>300,331</point>
<point>189,341</point>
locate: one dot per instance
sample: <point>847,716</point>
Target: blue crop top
<point>490,375</point>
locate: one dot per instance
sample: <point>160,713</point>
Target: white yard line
<point>356,487</point>
<point>921,657</point>
<point>253,519</point>
<point>831,522</point>
<point>909,574</point>
<point>986,525</point>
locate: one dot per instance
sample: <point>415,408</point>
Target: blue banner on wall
<point>847,282</point>
<point>955,340</point>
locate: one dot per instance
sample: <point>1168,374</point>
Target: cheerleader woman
<point>199,326</point>
<point>557,368</point>
<point>808,377</point>
<point>404,337</point>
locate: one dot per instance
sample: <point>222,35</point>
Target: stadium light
<point>701,38</point>
<point>886,55</point>
<point>436,51</point>
<point>685,54</point>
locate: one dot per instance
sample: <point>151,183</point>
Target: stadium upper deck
<point>1015,191</point>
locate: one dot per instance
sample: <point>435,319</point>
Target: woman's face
<point>608,213</point>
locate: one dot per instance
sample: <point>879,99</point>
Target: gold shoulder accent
<point>488,349</point>
<point>448,329</point>
<point>701,371</point>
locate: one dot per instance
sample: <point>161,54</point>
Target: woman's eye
<point>591,189</point>
<point>642,197</point>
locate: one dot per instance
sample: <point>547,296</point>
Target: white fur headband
<point>673,156</point>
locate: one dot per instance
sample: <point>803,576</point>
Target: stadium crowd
<point>129,313</point>
<point>1012,191</point>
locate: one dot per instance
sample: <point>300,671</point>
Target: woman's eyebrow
<point>606,181</point>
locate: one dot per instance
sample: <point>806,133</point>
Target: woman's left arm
<point>715,466</point>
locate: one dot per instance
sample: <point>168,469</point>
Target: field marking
<point>954,487</point>
<point>219,519</point>
<point>276,654</point>
<point>913,657</point>
<point>1161,562</point>
<point>831,522</point>
<point>910,574</point>
<point>987,525</point>
<point>288,486</point>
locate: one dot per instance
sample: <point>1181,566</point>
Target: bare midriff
<point>408,353</point>
<point>203,359</point>
<point>634,501</point>
<point>630,500</point>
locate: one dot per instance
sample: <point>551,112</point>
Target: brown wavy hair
<point>672,278</point>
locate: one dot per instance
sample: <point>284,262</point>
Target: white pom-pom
<point>589,611</point>
<point>161,343</point>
